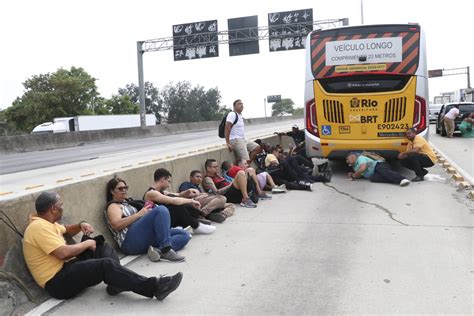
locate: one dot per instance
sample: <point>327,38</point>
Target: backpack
<point>373,156</point>
<point>222,124</point>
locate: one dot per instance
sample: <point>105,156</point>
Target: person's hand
<point>193,193</point>
<point>351,176</point>
<point>196,204</point>
<point>86,228</point>
<point>291,145</point>
<point>143,211</point>
<point>230,147</point>
<point>91,244</point>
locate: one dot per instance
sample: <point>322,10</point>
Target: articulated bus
<point>365,86</point>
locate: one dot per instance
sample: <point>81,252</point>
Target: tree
<point>285,106</point>
<point>298,111</point>
<point>153,104</point>
<point>184,103</point>
<point>62,93</point>
<point>121,104</point>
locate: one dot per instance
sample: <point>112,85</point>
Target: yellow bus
<point>365,85</point>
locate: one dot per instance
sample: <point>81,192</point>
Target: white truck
<point>93,122</point>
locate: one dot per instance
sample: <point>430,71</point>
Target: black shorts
<point>233,195</point>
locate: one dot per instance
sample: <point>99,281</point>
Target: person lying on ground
<point>66,270</point>
<point>377,171</point>
<point>183,211</point>
<point>139,229</point>
<point>235,191</point>
<point>213,207</point>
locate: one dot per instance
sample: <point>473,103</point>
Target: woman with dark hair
<point>145,230</point>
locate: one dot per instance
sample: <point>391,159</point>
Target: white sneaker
<point>277,190</point>
<point>204,229</point>
<point>404,182</point>
<point>282,187</point>
<point>153,254</point>
<point>188,229</point>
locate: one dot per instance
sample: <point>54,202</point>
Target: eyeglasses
<point>124,188</point>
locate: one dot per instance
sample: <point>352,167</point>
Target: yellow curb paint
<point>143,162</point>
<point>464,185</point>
<point>451,170</point>
<point>446,165</point>
<point>34,186</point>
<point>5,193</point>
<point>458,177</point>
<point>127,166</point>
<point>441,160</point>
<point>108,170</point>
<point>88,174</point>
<point>201,149</point>
<point>181,154</point>
<point>471,195</point>
<point>157,159</point>
<point>168,157</point>
<point>191,152</point>
<point>63,180</point>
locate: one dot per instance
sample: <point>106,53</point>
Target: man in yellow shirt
<point>64,270</point>
<point>417,156</point>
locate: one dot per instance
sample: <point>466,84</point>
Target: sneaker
<point>172,256</point>
<point>264,196</point>
<point>188,229</point>
<point>112,290</point>
<point>204,220</point>
<point>253,197</point>
<point>328,174</point>
<point>322,167</point>
<point>418,179</point>
<point>153,254</point>
<point>216,217</point>
<point>248,203</point>
<point>277,190</point>
<point>204,229</point>
<point>404,182</point>
<point>167,284</point>
<point>282,187</point>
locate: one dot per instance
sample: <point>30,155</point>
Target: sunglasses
<point>124,188</point>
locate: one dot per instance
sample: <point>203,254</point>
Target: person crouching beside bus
<point>375,170</point>
<point>417,156</point>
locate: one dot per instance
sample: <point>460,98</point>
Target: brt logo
<point>363,103</point>
<point>362,118</point>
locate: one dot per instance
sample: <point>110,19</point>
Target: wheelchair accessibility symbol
<point>326,130</point>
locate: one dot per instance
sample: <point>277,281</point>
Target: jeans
<point>383,174</point>
<point>417,162</point>
<point>153,229</point>
<point>79,274</point>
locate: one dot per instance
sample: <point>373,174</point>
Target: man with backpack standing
<point>235,135</point>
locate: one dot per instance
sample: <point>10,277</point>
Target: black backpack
<point>222,124</point>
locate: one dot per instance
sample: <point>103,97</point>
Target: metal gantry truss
<point>235,36</point>
<point>223,37</point>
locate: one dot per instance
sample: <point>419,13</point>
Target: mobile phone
<point>149,204</point>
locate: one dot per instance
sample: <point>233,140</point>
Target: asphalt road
<point>348,247</point>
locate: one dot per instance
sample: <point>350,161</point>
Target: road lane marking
<point>63,180</point>
<point>127,166</point>
<point>87,174</point>
<point>34,186</point>
<point>5,193</point>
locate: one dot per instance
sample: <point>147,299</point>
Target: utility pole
<point>265,106</point>
<point>468,78</point>
<point>361,11</point>
<point>141,84</point>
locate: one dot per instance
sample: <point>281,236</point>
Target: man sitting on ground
<point>235,191</point>
<point>66,270</point>
<point>417,156</point>
<point>374,170</point>
<point>213,207</point>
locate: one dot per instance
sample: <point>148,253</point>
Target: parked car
<point>464,107</point>
<point>434,111</point>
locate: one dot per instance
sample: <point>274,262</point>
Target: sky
<point>40,37</point>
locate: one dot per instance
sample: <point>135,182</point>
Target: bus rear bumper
<point>338,149</point>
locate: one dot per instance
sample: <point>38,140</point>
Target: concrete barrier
<point>33,142</point>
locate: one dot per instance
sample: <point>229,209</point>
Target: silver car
<point>434,111</point>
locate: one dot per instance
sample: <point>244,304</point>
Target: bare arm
<point>359,172</point>
<point>66,252</point>
<point>74,229</point>
<point>208,185</point>
<point>189,193</point>
<point>157,197</point>
<point>117,222</point>
<point>228,127</point>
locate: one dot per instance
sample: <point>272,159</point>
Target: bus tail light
<point>311,119</point>
<point>419,115</point>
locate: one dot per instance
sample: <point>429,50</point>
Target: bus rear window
<point>364,83</point>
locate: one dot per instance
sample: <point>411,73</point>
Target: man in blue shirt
<point>374,170</point>
<point>213,207</point>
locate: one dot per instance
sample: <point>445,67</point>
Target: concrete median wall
<point>26,143</point>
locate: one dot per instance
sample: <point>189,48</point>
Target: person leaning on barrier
<point>64,271</point>
<point>142,229</point>
<point>184,209</point>
<point>374,169</point>
<point>213,207</point>
<point>417,156</point>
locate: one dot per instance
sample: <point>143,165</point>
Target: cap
<point>295,126</point>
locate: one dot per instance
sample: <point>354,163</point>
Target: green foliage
<point>285,106</point>
<point>121,104</point>
<point>62,93</point>
<point>153,103</point>
<point>184,103</point>
<point>298,111</point>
